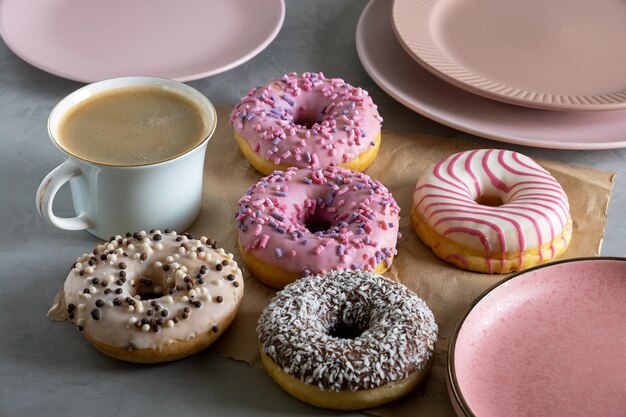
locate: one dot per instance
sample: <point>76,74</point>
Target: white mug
<point>111,200</point>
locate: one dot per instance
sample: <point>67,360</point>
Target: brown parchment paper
<point>447,290</point>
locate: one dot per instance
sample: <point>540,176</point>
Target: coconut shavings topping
<point>347,330</point>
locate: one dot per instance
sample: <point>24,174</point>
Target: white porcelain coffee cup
<point>111,199</point>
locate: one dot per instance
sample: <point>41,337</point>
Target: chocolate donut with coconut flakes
<point>347,340</point>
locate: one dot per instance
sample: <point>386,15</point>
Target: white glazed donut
<point>347,340</point>
<point>490,210</point>
<point>153,297</point>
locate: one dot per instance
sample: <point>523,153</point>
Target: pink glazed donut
<point>307,121</point>
<point>311,221</point>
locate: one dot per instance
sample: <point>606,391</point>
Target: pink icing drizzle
<point>307,120</point>
<point>535,208</point>
<point>360,218</point>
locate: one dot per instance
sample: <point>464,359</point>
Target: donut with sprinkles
<point>307,120</point>
<point>347,340</point>
<point>308,221</point>
<point>493,211</point>
<point>153,297</point>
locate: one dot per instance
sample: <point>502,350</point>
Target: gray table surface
<point>46,368</point>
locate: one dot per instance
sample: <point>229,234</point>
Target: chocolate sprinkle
<point>95,314</point>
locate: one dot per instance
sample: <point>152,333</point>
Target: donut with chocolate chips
<point>347,340</point>
<point>307,120</point>
<point>310,221</point>
<point>153,297</point>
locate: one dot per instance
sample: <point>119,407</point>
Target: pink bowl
<point>548,341</point>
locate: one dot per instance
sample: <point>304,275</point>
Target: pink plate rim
<point>459,403</point>
<point>182,78</point>
<point>417,40</point>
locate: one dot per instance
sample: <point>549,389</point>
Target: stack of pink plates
<point>537,73</point>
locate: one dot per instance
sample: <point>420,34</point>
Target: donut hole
<point>489,200</point>
<point>350,320</point>
<point>343,330</point>
<point>319,221</point>
<point>315,225</point>
<point>308,117</point>
<point>148,288</point>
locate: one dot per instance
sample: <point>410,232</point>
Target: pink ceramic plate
<point>406,81</point>
<point>557,54</point>
<point>183,40</point>
<point>549,341</point>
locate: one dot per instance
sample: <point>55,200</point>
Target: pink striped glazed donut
<point>491,210</point>
<point>307,120</point>
<point>311,221</point>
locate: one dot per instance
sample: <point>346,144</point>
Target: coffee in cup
<point>132,126</point>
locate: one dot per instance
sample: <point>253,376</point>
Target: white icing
<point>535,209</point>
<point>116,325</point>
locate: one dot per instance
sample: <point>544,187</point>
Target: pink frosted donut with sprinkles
<point>308,221</point>
<point>493,211</point>
<point>307,121</point>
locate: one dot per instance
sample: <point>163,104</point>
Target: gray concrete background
<point>46,368</point>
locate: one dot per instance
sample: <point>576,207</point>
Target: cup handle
<point>48,189</point>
